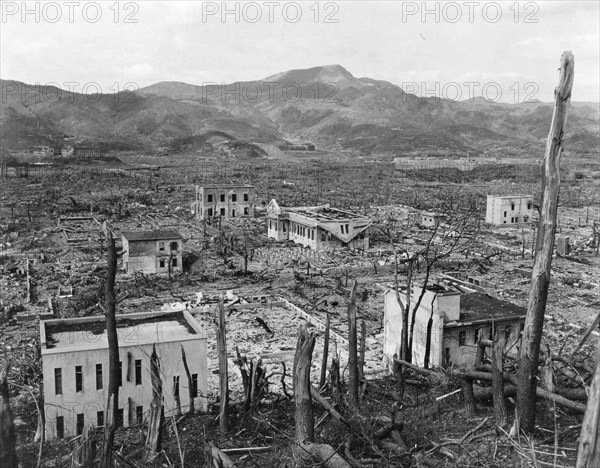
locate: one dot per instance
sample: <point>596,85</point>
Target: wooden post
<point>589,441</point>
<point>223,377</point>
<point>363,346</point>
<point>191,388</point>
<point>468,396</point>
<point>540,277</point>
<point>8,438</point>
<point>113,357</point>
<point>157,414</point>
<point>352,352</point>
<point>500,411</point>
<point>325,352</point>
<point>305,431</point>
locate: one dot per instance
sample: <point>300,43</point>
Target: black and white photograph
<point>287,234</point>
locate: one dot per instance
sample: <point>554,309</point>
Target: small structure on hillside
<point>509,209</point>
<point>226,201</point>
<point>75,368</point>
<point>431,219</point>
<point>152,252</point>
<point>318,227</point>
<point>458,321</point>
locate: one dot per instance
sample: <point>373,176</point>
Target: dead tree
<point>223,377</point>
<point>589,440</point>
<point>113,357</point>
<point>500,411</point>
<point>468,396</point>
<point>325,352</point>
<point>8,451</point>
<point>305,431</point>
<point>362,350</point>
<point>157,413</point>
<point>353,381</point>
<point>540,277</point>
<point>191,388</point>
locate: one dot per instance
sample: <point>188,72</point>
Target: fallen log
<point>325,455</point>
<point>329,407</point>
<point>216,457</point>
<point>429,373</point>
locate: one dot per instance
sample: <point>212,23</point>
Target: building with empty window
<point>226,201</point>
<point>458,320</point>
<point>431,219</point>
<point>75,368</point>
<point>509,209</point>
<point>152,252</point>
<point>318,227</point>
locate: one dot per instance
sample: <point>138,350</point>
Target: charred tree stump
<point>334,378</point>
<point>468,396</point>
<point>223,377</point>
<point>191,388</point>
<point>540,277</point>
<point>363,346</point>
<point>500,411</point>
<point>157,413</point>
<point>589,440</point>
<point>325,352</point>
<point>305,431</point>
<point>113,357</point>
<point>8,438</point>
<point>353,381</point>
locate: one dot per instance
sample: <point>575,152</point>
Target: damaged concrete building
<point>458,321</point>
<point>152,252</point>
<point>75,368</point>
<point>227,201</point>
<point>509,209</point>
<point>318,227</point>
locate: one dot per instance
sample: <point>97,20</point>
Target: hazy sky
<point>426,47</point>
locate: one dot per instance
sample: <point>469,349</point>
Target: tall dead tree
<point>540,277</point>
<point>500,411</point>
<point>113,357</point>
<point>353,381</point>
<point>589,441</point>
<point>325,352</point>
<point>305,430</point>
<point>191,388</point>
<point>157,412</point>
<point>223,376</point>
<point>8,452</point>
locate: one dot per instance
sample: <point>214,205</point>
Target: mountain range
<point>324,105</point>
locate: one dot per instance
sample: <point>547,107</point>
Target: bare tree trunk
<point>352,352</point>
<point>325,352</point>
<point>468,396</point>
<point>363,345</point>
<point>305,431</point>
<point>157,413</point>
<point>589,441</point>
<point>113,357</point>
<point>334,378</point>
<point>223,376</point>
<point>540,278</point>
<point>428,337</point>
<point>8,438</point>
<point>500,411</point>
<point>190,381</point>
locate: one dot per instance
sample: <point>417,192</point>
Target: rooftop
<point>225,186</point>
<point>132,329</point>
<point>150,235</point>
<point>325,213</point>
<point>516,195</point>
<point>479,307</point>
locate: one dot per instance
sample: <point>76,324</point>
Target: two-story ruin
<point>458,321</point>
<point>318,227</point>
<point>226,201</point>
<point>152,252</point>
<point>75,368</point>
<point>509,209</point>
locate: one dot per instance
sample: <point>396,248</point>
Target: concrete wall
<point>90,400</point>
<point>222,202</point>
<point>499,210</point>
<point>147,256</point>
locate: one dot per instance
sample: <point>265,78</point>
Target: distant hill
<point>326,105</point>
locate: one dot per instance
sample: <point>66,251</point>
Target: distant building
<point>227,201</point>
<point>152,252</point>
<point>86,152</point>
<point>75,368</point>
<point>318,227</point>
<point>458,321</point>
<point>430,219</point>
<point>43,151</point>
<point>509,209</point>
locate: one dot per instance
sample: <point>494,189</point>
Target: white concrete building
<point>75,367</point>
<point>226,201</point>
<point>458,321</point>
<point>152,252</point>
<point>509,209</point>
<point>318,227</point>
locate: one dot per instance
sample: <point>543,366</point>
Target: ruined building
<point>152,252</point>
<point>509,209</point>
<point>75,368</point>
<point>227,201</point>
<point>318,227</point>
<point>458,321</point>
